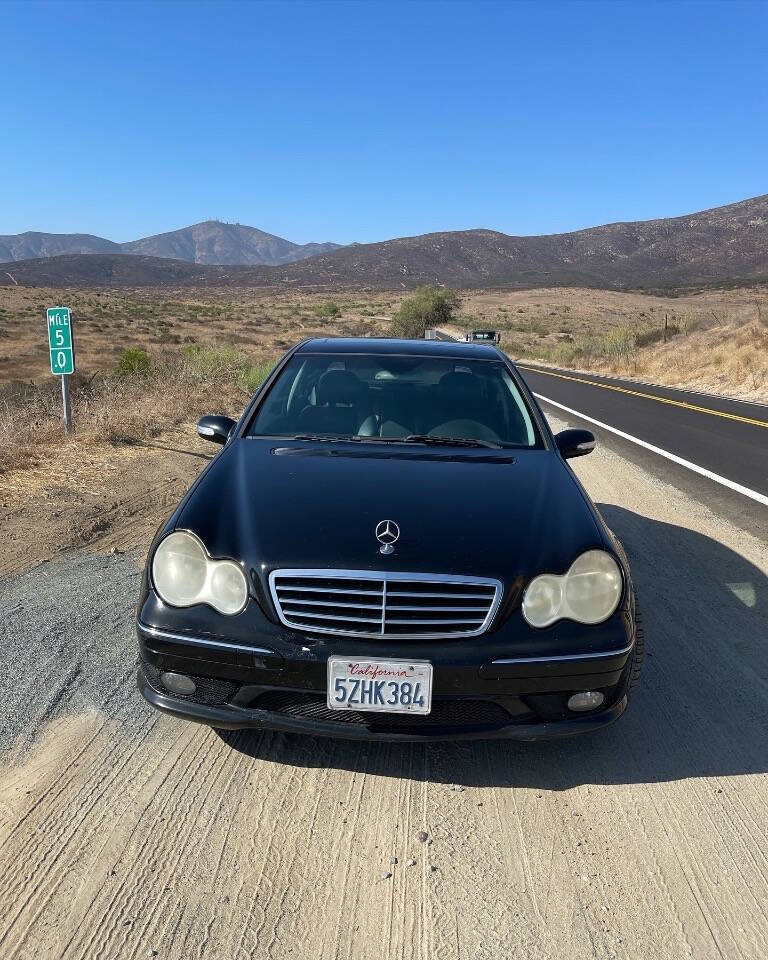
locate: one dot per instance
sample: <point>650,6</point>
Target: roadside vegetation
<point>150,361</point>
<point>718,356</point>
<point>715,340</point>
<point>330,310</point>
<point>428,307</point>
<point>146,395</point>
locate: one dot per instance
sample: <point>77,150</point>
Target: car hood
<point>273,504</point>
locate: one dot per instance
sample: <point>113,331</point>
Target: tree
<point>428,307</point>
<point>330,310</point>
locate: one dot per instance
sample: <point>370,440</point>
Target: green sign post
<point>60,340</point>
<point>61,344</point>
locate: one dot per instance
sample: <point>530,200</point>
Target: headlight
<point>184,574</point>
<point>589,592</point>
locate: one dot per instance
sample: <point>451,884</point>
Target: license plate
<point>379,686</point>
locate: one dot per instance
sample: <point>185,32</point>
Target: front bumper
<point>484,688</point>
<point>228,717</point>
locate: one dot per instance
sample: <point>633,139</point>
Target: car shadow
<point>702,706</point>
<point>163,446</point>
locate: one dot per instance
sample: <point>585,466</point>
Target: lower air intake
<point>479,714</point>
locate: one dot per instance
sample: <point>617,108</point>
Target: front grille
<point>445,713</point>
<point>362,603</point>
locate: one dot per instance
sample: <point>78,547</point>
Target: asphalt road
<point>723,443</point>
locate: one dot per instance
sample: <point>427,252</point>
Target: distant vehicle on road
<point>390,545</point>
<point>482,336</point>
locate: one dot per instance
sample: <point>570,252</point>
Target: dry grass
<point>728,358</point>
<point>209,350</point>
<point>109,321</point>
<point>550,324</point>
<point>116,409</point>
<point>717,340</point>
<point>208,354</point>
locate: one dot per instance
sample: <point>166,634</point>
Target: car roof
<point>410,348</point>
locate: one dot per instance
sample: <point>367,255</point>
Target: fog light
<point>589,700</point>
<point>178,683</point>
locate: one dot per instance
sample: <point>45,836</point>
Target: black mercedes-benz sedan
<point>390,545</point>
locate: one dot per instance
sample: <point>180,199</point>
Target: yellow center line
<point>649,396</point>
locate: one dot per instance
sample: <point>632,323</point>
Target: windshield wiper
<point>314,436</point>
<point>450,441</point>
<point>411,438</point>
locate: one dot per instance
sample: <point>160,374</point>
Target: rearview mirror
<point>575,443</point>
<point>215,428</point>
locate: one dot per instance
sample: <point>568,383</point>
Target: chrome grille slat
<point>331,603</point>
<point>433,623</point>
<point>453,596</point>
<point>371,593</point>
<point>397,606</point>
<point>372,604</point>
<point>325,616</point>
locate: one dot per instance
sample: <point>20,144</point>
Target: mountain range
<point>727,244</point>
<point>210,242</point>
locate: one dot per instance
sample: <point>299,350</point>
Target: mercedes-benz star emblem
<point>387,533</point>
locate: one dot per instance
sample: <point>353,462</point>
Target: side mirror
<point>575,443</point>
<point>215,428</point>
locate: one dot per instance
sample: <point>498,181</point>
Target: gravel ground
<point>69,643</point>
<point>128,834</point>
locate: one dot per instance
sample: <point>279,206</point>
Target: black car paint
<point>272,503</point>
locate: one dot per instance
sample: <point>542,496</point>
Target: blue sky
<point>364,121</point>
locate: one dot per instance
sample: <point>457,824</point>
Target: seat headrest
<point>338,386</point>
<point>461,383</point>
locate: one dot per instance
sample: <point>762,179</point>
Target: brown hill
<point>25,246</point>
<point>211,242</point>
<point>723,245</point>
<point>96,269</point>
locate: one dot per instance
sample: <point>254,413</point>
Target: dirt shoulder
<point>125,833</point>
<point>97,496</point>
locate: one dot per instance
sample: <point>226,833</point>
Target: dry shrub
<point>727,356</point>
<point>128,408</point>
<point>30,420</point>
<point>619,344</point>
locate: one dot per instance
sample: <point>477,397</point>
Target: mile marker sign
<point>60,340</point>
<point>61,344</point>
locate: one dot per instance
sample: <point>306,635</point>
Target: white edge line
<point>724,481</point>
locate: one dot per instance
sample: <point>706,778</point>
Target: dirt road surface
<point>128,834</point>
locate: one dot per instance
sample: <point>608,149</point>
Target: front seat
<point>460,397</point>
<point>463,409</point>
<point>337,411</point>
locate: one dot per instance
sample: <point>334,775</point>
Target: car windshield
<point>417,399</point>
